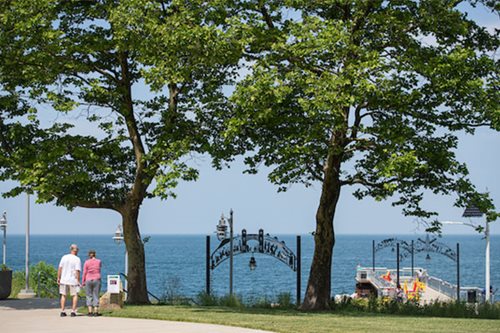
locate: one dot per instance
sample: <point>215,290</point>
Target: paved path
<point>42,316</point>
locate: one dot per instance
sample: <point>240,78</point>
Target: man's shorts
<point>64,289</point>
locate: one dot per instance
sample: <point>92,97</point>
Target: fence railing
<point>149,293</point>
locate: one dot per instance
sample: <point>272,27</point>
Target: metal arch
<point>432,245</point>
<point>272,246</point>
<point>392,243</point>
<point>428,245</point>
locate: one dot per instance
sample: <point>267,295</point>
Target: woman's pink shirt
<point>92,270</point>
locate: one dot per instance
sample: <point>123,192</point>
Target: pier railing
<point>443,287</point>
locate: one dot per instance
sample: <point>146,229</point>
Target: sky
<point>257,204</point>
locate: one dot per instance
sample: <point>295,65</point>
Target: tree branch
<point>361,181</point>
<point>265,14</point>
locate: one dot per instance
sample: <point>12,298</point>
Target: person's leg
<point>95,295</point>
<point>75,303</point>
<point>62,292</point>
<point>63,301</point>
<point>74,294</point>
<point>88,295</point>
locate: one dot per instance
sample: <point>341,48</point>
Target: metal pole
<point>487,236</point>
<point>4,244</point>
<point>373,255</point>
<point>397,260</point>
<point>27,260</point>
<point>412,259</point>
<point>458,272</point>
<point>298,270</point>
<point>126,269</point>
<point>207,266</point>
<point>231,253</point>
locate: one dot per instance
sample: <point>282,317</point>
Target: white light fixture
<point>118,237</point>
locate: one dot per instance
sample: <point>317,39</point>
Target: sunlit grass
<point>294,321</point>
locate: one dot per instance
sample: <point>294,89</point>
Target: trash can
<point>114,284</point>
<point>471,296</point>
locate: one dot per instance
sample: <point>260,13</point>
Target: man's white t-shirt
<point>70,264</point>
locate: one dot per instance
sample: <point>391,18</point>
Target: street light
<point>474,212</point>
<point>118,238</point>
<point>27,292</point>
<point>221,235</point>
<point>3,226</point>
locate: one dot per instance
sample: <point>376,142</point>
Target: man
<point>68,278</point>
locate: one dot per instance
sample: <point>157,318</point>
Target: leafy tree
<point>103,101</point>
<point>365,93</point>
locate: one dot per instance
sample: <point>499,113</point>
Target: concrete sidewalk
<point>42,316</point>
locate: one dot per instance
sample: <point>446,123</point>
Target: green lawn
<point>293,321</point>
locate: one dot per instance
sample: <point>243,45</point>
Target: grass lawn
<point>291,321</point>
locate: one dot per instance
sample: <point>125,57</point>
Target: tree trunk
<point>137,292</point>
<point>319,285</point>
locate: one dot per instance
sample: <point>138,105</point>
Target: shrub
<point>45,277</point>
<point>284,301</point>
<point>43,281</point>
<point>412,308</point>
<point>205,299</point>
<point>231,301</point>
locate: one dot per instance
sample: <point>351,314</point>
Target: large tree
<point>102,102</point>
<point>364,93</point>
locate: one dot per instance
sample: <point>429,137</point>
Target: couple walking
<point>68,279</point>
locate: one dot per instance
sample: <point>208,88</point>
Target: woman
<point>92,282</point>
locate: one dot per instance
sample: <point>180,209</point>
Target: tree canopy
<point>368,94</point>
<point>102,102</point>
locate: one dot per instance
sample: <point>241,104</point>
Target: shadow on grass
<point>204,310</point>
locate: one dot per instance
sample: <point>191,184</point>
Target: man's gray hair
<point>73,247</point>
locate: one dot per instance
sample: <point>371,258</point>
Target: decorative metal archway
<point>409,249</point>
<point>254,244</point>
<point>429,245</point>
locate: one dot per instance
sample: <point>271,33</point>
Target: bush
<point>18,283</point>
<point>45,276</point>
<point>205,299</point>
<point>284,301</point>
<point>411,308</point>
<point>43,281</point>
<point>231,301</point>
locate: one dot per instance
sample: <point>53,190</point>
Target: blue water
<point>177,263</point>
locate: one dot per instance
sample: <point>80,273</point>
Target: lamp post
<point>118,238</point>
<point>474,212</point>
<point>3,226</point>
<point>221,235</point>
<point>27,292</point>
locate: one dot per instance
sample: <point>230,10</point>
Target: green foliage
<point>231,301</point>
<point>205,299</point>
<point>45,276</point>
<point>18,283</point>
<point>371,94</point>
<point>43,281</point>
<point>435,309</point>
<point>4,268</point>
<point>284,301</point>
<point>128,88</point>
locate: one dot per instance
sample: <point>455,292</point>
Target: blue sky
<point>256,203</point>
